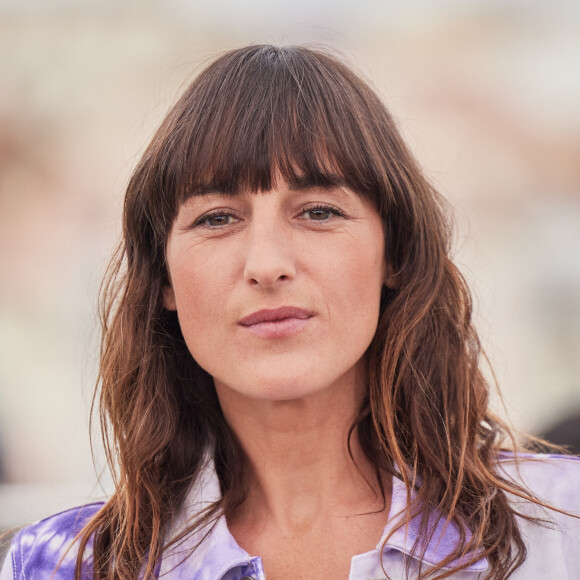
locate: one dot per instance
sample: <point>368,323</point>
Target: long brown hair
<point>252,115</point>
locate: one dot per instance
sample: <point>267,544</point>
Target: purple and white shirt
<point>553,552</point>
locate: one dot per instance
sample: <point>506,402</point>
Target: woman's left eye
<point>321,213</point>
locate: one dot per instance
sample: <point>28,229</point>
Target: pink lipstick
<point>276,323</point>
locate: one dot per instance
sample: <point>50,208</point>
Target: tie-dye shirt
<point>553,551</point>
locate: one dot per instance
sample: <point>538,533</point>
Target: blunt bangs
<point>266,112</point>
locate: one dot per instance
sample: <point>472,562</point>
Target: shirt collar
<point>441,543</point>
<point>211,548</point>
<point>214,551</point>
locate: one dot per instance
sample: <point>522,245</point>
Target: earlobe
<point>169,298</point>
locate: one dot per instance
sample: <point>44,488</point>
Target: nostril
<point>266,265</point>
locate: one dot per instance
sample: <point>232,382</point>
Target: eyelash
<point>323,207</point>
<point>204,219</point>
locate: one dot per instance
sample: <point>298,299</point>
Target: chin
<point>284,387</point>
<point>286,392</point>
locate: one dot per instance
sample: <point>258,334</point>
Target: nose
<point>269,255</point>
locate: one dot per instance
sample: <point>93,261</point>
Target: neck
<point>302,469</point>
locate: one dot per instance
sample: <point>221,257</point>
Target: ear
<point>169,302</point>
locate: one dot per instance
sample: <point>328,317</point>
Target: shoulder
<point>552,531</point>
<point>37,549</point>
<point>554,479</point>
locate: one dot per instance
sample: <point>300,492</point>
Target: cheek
<point>192,288</point>
<point>203,284</point>
<point>198,314</point>
<point>196,275</point>
<point>196,297</point>
<point>366,266</point>
<point>356,288</point>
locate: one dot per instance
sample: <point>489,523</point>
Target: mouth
<point>276,323</point>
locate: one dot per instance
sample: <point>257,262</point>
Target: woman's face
<point>277,293</point>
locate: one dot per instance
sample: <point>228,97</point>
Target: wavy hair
<point>253,115</point>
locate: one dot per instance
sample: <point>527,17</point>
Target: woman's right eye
<point>216,220</point>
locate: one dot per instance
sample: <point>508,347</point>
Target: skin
<point>290,389</point>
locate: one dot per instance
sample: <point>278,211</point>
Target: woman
<point>289,373</point>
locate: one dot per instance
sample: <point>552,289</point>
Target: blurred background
<point>488,96</point>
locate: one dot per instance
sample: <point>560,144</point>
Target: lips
<point>275,315</point>
<point>276,323</point>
